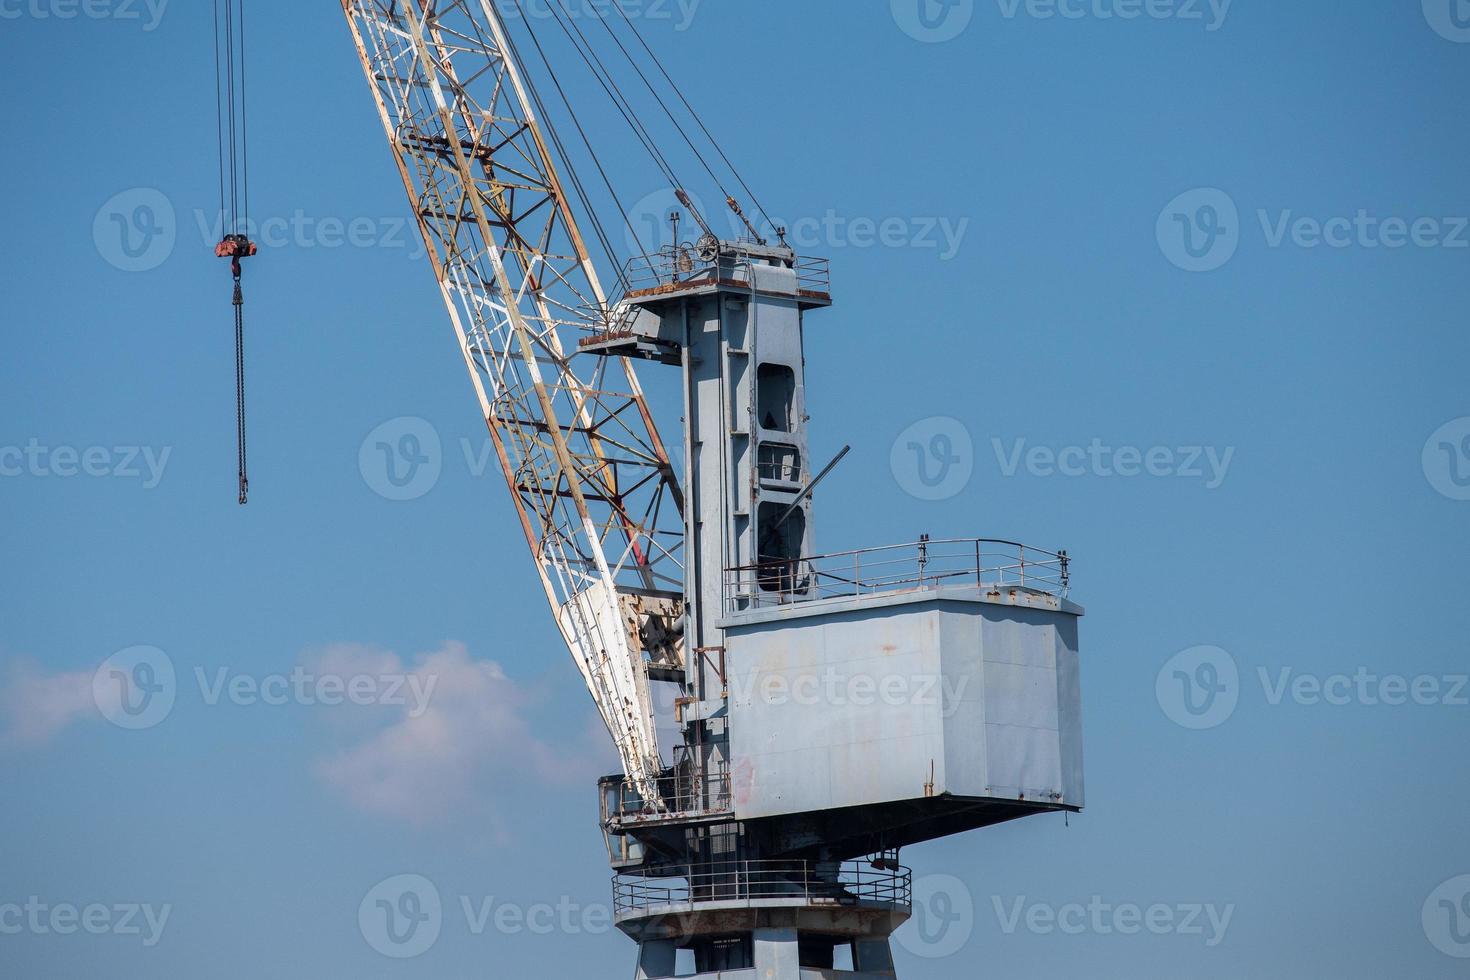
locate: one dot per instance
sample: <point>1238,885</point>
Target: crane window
<point>779,463</point>
<point>780,548</point>
<point>776,396</point>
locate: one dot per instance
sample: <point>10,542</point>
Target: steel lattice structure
<point>597,498</point>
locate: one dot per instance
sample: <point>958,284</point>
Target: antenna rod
<point>810,487</point>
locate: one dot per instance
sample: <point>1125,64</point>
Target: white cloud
<point>451,755</point>
<point>35,706</point>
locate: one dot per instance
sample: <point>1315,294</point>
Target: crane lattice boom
<point>597,498</point>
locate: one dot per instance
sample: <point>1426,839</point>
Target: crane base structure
<point>836,707</point>
<point>771,921</point>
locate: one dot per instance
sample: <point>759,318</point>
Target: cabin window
<point>779,463</point>
<point>780,548</point>
<point>776,397</point>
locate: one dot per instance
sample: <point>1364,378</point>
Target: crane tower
<point>830,708</point>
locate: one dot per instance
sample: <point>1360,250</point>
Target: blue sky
<point>1222,248</point>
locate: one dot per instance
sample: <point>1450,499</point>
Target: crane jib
<point>588,473</point>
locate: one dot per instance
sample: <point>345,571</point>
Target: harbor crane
<point>764,842</point>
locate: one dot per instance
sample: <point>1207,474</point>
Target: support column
<point>873,956</point>
<point>777,955</point>
<point>656,960</point>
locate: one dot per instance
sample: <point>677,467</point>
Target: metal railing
<point>924,564</point>
<point>666,267</point>
<point>813,275</point>
<point>682,793</point>
<point>682,266</point>
<point>683,887</point>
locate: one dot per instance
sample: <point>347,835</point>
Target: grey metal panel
<point>983,694</point>
<point>963,768</point>
<point>810,724</point>
<point>1021,732</point>
<point>1069,695</point>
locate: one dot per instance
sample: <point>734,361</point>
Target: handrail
<point>926,563</point>
<point>670,266</point>
<point>680,794</point>
<point>666,887</point>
